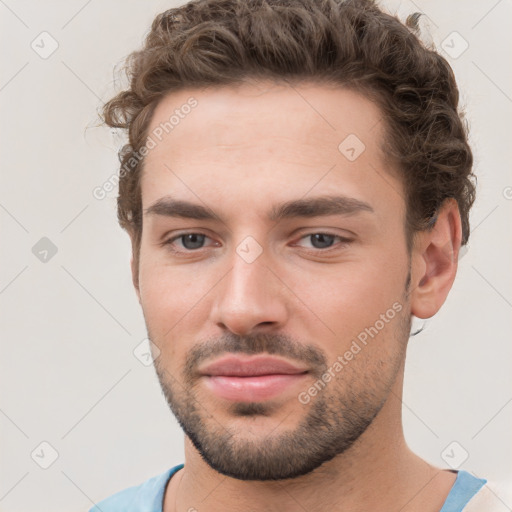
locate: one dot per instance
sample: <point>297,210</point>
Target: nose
<point>250,298</point>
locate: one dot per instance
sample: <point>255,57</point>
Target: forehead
<point>273,141</point>
<point>305,112</point>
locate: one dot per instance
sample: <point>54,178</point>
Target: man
<point>296,187</point>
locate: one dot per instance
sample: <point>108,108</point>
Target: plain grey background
<point>70,318</point>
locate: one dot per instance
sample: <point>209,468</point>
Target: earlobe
<point>434,261</point>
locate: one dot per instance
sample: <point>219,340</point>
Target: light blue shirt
<point>149,496</point>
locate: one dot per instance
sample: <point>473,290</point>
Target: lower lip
<point>251,389</point>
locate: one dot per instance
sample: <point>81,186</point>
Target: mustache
<point>263,343</point>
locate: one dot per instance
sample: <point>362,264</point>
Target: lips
<point>235,366</point>
<point>251,379</point>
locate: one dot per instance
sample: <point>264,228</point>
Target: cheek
<point>176,302</point>
<point>164,293</point>
<point>167,293</point>
<point>172,311</point>
<point>352,297</point>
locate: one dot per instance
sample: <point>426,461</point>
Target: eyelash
<point>343,242</point>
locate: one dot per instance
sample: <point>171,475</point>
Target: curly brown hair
<point>348,43</point>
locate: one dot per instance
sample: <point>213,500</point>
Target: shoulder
<point>493,496</point>
<point>146,497</point>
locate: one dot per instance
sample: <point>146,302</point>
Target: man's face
<point>252,253</point>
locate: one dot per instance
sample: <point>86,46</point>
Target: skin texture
<point>242,151</point>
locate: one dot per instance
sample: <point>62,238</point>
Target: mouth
<point>251,379</point>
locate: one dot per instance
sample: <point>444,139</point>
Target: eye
<point>323,240</point>
<point>188,241</point>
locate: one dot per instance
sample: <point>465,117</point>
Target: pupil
<point>193,241</point>
<point>321,241</point>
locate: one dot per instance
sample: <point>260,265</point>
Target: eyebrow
<point>305,208</point>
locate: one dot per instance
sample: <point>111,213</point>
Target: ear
<point>135,276</point>
<point>434,261</point>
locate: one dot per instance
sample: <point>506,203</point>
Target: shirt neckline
<point>463,489</point>
<point>158,504</point>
